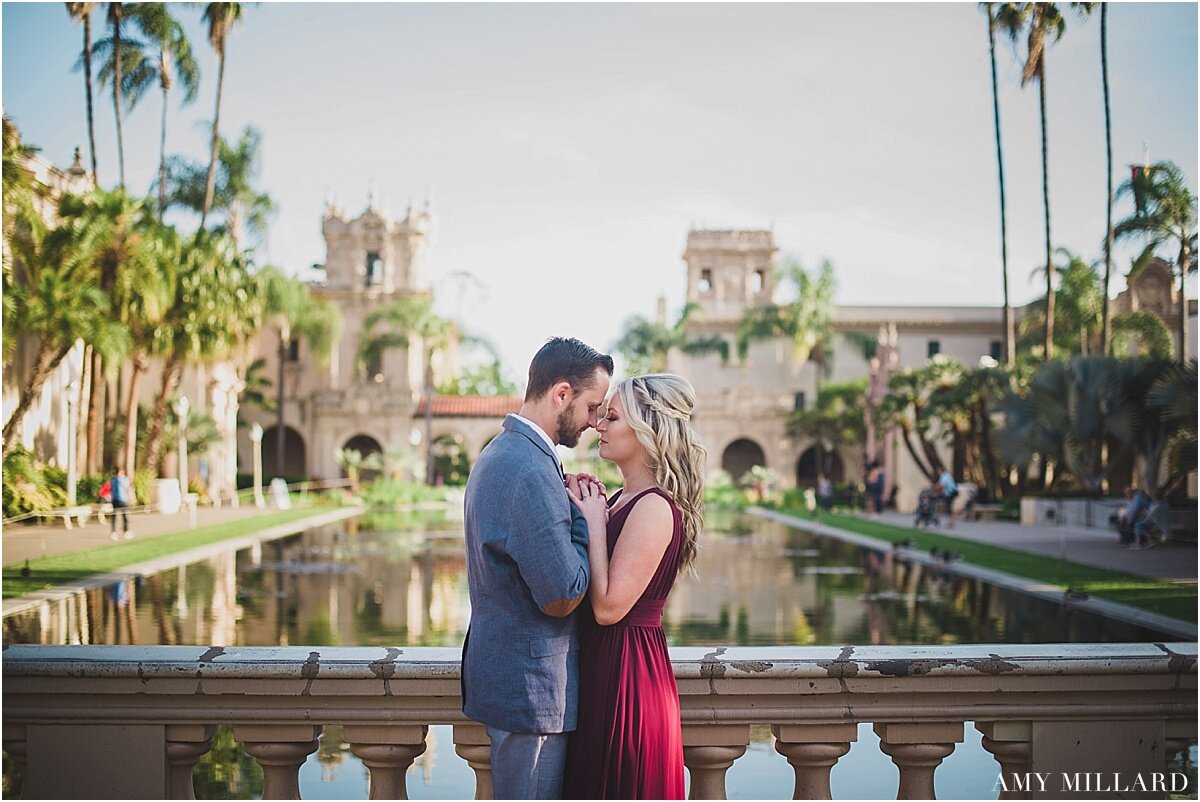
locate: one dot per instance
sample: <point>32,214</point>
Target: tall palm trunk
<point>138,366</point>
<point>1185,264</point>
<point>1049,338</point>
<point>1010,336</point>
<point>87,79</point>
<point>114,18</point>
<point>429,478</point>
<point>284,342</point>
<point>43,364</point>
<point>162,144</point>
<point>1106,321</point>
<point>153,448</point>
<point>211,182</point>
<point>95,448</point>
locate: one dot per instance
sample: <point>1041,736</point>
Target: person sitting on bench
<point>1137,506</point>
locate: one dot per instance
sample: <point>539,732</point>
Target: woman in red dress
<point>628,743</point>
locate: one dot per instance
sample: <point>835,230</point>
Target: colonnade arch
<point>295,453</point>
<point>365,445</point>
<point>740,456</point>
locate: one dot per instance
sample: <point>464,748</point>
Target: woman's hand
<point>588,495</point>
<point>581,477</point>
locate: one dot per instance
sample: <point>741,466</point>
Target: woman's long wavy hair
<point>659,408</point>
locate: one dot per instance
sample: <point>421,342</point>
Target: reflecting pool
<point>370,582</point>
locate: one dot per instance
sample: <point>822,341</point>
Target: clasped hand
<point>588,493</point>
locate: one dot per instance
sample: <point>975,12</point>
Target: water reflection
<point>354,585</point>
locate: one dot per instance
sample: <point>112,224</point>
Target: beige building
<point>371,261</point>
<point>743,406</point>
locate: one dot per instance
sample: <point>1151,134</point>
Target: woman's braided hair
<point>659,408</point>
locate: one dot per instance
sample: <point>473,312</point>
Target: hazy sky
<point>569,148</point>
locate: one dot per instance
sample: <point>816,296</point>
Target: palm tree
<point>173,62</point>
<point>20,186</point>
<point>1044,25</point>
<point>115,14</point>
<point>82,12</point>
<point>220,18</point>
<point>645,344</point>
<point>142,298</point>
<point>1166,216</point>
<point>211,316</point>
<point>806,322</point>
<point>1106,323</point>
<point>246,208</point>
<point>1010,344</point>
<point>51,294</point>
<point>290,309</point>
<point>116,232</point>
<point>398,323</point>
<point>834,421</point>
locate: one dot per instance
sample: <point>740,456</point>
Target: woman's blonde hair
<point>659,408</point>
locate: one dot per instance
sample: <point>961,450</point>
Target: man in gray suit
<point>527,570</point>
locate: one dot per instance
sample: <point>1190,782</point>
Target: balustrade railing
<point>131,722</point>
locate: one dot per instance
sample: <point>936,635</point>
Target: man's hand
<point>584,477</point>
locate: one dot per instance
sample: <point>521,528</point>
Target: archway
<point>814,462</point>
<point>364,445</point>
<point>740,456</point>
<point>295,464</point>
<point>451,463</point>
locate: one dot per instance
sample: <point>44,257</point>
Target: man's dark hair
<point>564,359</point>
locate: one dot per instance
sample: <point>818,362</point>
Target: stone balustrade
<point>131,722</point>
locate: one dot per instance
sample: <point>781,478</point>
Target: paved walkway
<point>30,541</point>
<point>1096,547</point>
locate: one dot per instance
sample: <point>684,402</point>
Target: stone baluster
<point>918,749</point>
<point>388,751</point>
<point>1011,743</point>
<point>281,750</point>
<point>186,744</point>
<point>16,746</point>
<point>473,745</point>
<point>1180,734</point>
<point>813,749</point>
<point>708,752</point>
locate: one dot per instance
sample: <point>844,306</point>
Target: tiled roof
<point>471,406</point>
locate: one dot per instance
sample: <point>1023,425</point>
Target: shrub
<point>27,488</point>
<point>390,492</point>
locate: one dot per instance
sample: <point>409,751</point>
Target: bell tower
<point>372,255</point>
<point>729,271</point>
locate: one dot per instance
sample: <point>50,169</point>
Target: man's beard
<point>568,430</point>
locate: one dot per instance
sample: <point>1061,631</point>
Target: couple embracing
<point>565,660</point>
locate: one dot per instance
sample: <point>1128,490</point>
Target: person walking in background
<point>629,742</point>
<point>121,492</point>
<point>874,483</point>
<point>527,571</point>
<point>825,493</point>
<point>949,493</point>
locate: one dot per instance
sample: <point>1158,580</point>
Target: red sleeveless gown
<point>628,743</point>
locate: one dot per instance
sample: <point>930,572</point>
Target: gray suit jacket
<point>527,562</point>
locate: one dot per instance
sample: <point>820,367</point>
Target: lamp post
<point>72,468</point>
<point>256,435</point>
<point>181,411</point>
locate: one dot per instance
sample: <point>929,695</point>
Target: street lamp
<point>181,411</point>
<point>256,435</point>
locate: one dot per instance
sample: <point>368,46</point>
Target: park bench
<point>985,512</point>
<point>69,515</point>
<point>102,509</point>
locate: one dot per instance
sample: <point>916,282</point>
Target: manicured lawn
<point>1176,600</point>
<point>60,568</point>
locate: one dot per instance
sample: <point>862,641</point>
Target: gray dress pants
<point>528,765</point>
